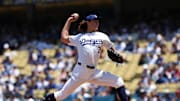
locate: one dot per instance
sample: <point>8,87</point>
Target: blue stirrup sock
<point>122,93</point>
<point>49,97</point>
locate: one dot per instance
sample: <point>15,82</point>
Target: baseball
<point>75,15</point>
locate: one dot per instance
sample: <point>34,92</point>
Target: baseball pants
<point>81,74</point>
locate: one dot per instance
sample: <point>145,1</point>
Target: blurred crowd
<point>15,86</point>
<point>155,69</point>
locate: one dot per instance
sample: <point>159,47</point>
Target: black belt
<point>90,67</point>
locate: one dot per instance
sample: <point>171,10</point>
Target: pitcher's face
<point>93,25</point>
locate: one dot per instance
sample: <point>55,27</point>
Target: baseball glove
<point>114,56</point>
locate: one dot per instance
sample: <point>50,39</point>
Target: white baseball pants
<point>82,74</point>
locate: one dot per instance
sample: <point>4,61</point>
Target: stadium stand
<point>34,63</point>
<point>36,72</point>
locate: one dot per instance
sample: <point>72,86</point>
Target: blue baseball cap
<point>92,17</point>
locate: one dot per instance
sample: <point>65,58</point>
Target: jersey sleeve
<point>107,42</point>
<point>73,39</point>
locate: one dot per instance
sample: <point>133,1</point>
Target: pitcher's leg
<point>108,79</point>
<point>68,88</point>
<point>122,93</point>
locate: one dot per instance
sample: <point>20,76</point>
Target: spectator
<point>114,35</point>
<point>120,45</point>
<point>143,59</point>
<point>57,54</point>
<point>130,44</point>
<point>52,84</point>
<point>162,79</point>
<point>178,60</point>
<point>176,44</point>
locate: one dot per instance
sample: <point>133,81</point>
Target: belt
<point>90,67</point>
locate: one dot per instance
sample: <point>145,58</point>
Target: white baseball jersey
<point>89,46</point>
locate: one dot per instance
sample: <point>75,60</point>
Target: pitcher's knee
<point>60,96</point>
<point>119,82</point>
